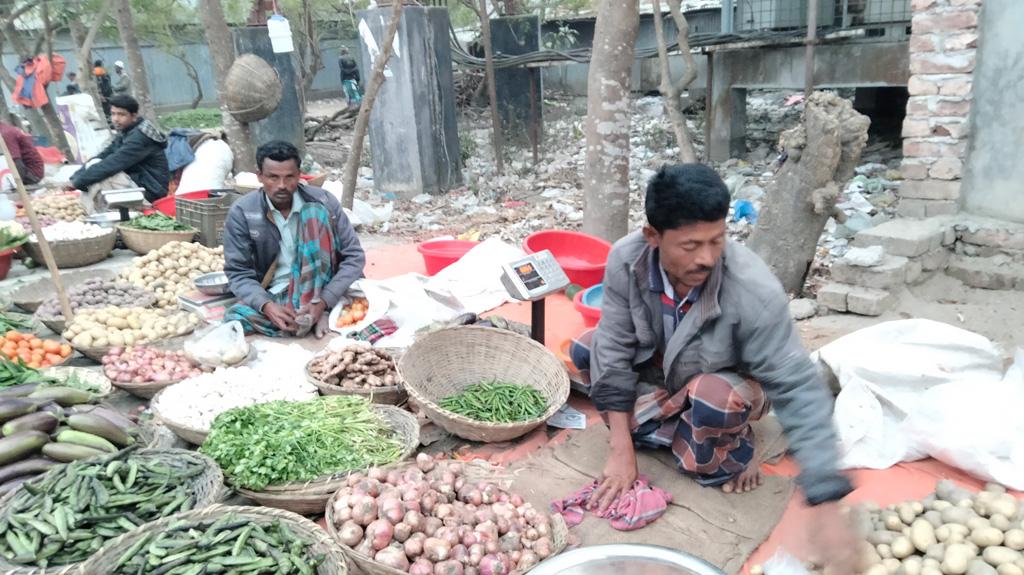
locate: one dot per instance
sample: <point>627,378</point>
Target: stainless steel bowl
<point>626,559</point>
<point>215,283</point>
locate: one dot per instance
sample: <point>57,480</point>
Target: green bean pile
<point>232,544</point>
<point>497,402</point>
<point>69,513</point>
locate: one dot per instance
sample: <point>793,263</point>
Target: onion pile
<point>147,364</point>
<point>430,519</point>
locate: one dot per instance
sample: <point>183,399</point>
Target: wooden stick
<point>44,246</point>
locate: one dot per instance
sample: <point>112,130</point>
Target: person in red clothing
<point>24,153</point>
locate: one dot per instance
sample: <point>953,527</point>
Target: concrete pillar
<point>520,90</point>
<point>286,123</point>
<point>729,115</point>
<point>414,140</point>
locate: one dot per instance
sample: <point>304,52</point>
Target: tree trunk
<point>84,39</point>
<point>222,51</point>
<point>312,59</point>
<point>133,51</point>
<point>606,172</point>
<point>823,151</point>
<point>366,106</point>
<point>497,138</point>
<point>670,92</point>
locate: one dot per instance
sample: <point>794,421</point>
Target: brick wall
<point>943,46</point>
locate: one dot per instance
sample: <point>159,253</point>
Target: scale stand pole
<point>537,320</point>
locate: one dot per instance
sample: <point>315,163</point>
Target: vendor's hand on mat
<point>315,310</point>
<point>619,474</point>
<point>322,327</point>
<point>283,317</point>
<point>834,539</point>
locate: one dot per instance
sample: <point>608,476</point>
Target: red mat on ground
<point>893,485</point>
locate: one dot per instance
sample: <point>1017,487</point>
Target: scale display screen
<point>530,277</point>
<point>533,277</point>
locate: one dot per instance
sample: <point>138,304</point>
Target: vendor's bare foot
<point>749,480</point>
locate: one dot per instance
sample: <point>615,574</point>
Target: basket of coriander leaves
<point>144,234</point>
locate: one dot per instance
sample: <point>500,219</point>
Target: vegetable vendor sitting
<point>290,253</point>
<point>695,342</point>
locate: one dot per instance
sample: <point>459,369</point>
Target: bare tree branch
<point>669,91</point>
<point>683,40</point>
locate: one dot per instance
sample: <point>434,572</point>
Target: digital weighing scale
<point>122,200</point>
<point>532,278</point>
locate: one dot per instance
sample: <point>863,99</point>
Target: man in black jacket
<point>349,77</point>
<point>135,157</point>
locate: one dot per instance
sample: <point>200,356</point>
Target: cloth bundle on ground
<point>641,505</point>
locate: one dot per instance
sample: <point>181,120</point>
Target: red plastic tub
<point>588,303</point>
<point>167,205</point>
<point>439,254</point>
<point>582,256</point>
<point>5,262</point>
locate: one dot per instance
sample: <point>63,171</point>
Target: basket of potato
<point>93,332</point>
<point>93,293</point>
<point>66,207</point>
<point>168,271</point>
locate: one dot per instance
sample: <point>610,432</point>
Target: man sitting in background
<point>290,253</point>
<point>24,153</point>
<point>134,158</point>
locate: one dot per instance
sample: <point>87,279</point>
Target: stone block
<point>915,271</point>
<point>928,22</point>
<point>892,272</point>
<point>916,128</point>
<point>918,106</point>
<point>948,236</point>
<point>922,86</point>
<point>802,309</point>
<point>1004,235</point>
<point>955,128</point>
<point>936,259</point>
<point>914,169</point>
<point>957,41</point>
<point>994,273</point>
<point>911,208</point>
<point>931,190</point>
<point>920,148</point>
<point>833,296</point>
<point>869,302</point>
<point>941,208</point>
<point>941,63</point>
<point>947,169</point>
<point>924,43</point>
<point>952,106</point>
<point>907,238</point>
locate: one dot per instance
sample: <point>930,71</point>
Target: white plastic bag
<point>782,563</point>
<point>976,428</point>
<point>223,345</point>
<point>375,296</point>
<point>884,371</point>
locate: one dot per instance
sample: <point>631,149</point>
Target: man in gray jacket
<point>290,253</point>
<point>695,342</point>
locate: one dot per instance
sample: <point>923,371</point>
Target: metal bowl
<point>215,283</point>
<point>626,558</point>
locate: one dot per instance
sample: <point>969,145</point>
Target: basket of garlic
<point>94,331</point>
<point>73,244</point>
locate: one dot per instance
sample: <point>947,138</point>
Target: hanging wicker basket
<point>253,88</point>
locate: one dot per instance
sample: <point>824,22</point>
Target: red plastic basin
<point>582,256</point>
<point>167,205</point>
<point>591,315</point>
<point>5,262</point>
<point>439,254</point>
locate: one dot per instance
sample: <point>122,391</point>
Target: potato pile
<point>355,367</point>
<point>116,327</point>
<point>63,207</point>
<point>168,271</point>
<point>96,292</point>
<point>950,532</point>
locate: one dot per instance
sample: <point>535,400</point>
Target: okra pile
<point>231,544</point>
<point>66,515</point>
<point>497,402</point>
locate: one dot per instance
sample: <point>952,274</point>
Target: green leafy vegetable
<point>158,223</point>
<point>12,235</point>
<point>15,322</point>
<point>497,402</point>
<point>17,373</point>
<point>282,441</point>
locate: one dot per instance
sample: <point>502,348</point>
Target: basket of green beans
<point>484,384</point>
<point>144,234</point>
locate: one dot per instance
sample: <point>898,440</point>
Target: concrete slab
<point>870,302</point>
<point>903,237</point>
<point>994,273</point>
<point>834,296</point>
<point>892,272</point>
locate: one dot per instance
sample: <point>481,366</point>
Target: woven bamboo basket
<point>32,295</point>
<point>254,89</point>
<point>208,488</point>
<point>144,241</point>
<point>475,471</point>
<point>309,497</point>
<point>76,253</point>
<point>334,563</point>
<point>91,376</point>
<point>443,363</point>
<point>193,435</point>
<point>390,395</point>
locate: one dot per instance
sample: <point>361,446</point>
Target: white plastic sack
<point>782,563</point>
<point>977,429</point>
<point>210,168</point>
<point>884,371</point>
<point>377,298</point>
<point>217,346</point>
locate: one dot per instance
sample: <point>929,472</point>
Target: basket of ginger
<point>353,313</point>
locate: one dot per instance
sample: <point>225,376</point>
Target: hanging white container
<point>280,34</point>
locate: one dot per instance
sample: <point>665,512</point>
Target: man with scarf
<point>290,253</point>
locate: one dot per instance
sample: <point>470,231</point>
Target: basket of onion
<point>440,517</point>
<point>143,371</point>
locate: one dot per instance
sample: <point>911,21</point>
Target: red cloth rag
<point>643,504</point>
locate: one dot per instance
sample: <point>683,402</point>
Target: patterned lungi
<point>706,423</point>
<point>313,268</point>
